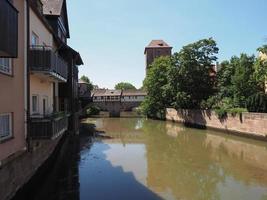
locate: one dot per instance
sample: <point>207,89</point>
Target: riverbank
<point>57,177</point>
<point>251,125</point>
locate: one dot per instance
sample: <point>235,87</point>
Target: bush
<point>93,110</point>
<point>226,106</point>
<point>235,111</point>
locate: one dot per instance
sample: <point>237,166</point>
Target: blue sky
<point>111,34</point>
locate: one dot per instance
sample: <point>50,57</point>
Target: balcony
<point>9,30</point>
<point>44,62</point>
<point>49,127</point>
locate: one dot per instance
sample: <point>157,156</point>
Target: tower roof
<point>157,44</point>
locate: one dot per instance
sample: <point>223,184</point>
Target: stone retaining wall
<point>247,124</point>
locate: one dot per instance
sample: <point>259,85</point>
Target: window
<point>6,65</point>
<point>35,104</point>
<point>35,39</point>
<point>5,125</point>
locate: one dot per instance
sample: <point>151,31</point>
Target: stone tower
<point>155,49</point>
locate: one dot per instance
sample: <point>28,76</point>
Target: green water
<point>147,159</point>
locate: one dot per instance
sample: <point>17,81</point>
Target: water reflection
<point>172,162</point>
<point>146,159</point>
<point>102,179</point>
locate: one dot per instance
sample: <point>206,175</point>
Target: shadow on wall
<point>194,118</point>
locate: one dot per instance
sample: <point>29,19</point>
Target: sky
<point>111,34</point>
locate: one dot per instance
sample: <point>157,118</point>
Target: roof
<point>76,55</point>
<point>52,7</point>
<point>134,93</point>
<point>157,44</point>
<point>106,92</point>
<point>98,92</point>
<point>112,93</point>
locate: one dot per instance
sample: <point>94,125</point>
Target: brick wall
<point>247,124</point>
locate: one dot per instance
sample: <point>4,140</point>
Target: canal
<point>146,159</point>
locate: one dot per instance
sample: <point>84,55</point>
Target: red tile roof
<point>157,44</point>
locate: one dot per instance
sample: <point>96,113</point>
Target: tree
<point>191,77</point>
<point>263,49</point>
<point>124,86</point>
<point>90,86</point>
<point>243,82</point>
<point>158,88</point>
<point>240,84</point>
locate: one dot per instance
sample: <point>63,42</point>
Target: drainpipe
<point>28,76</point>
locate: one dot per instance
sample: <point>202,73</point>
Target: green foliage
<point>235,111</point>
<point>139,110</point>
<point>221,112</point>
<point>263,49</point>
<point>158,88</point>
<point>124,86</point>
<point>90,86</point>
<point>184,81</point>
<point>224,85</point>
<point>260,72</point>
<point>237,83</point>
<point>190,78</point>
<point>85,79</point>
<point>257,102</point>
<point>92,110</point>
<point>243,83</point>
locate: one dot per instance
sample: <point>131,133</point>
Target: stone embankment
<point>245,124</point>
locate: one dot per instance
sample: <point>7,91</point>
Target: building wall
<point>107,99</point>
<point>248,124</point>
<point>12,90</point>
<point>153,53</point>
<point>42,88</point>
<point>132,98</point>
<point>40,30</point>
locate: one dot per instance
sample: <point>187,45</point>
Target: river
<point>146,159</point>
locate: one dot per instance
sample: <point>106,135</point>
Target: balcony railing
<point>48,127</point>
<point>43,60</point>
<point>8,30</point>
